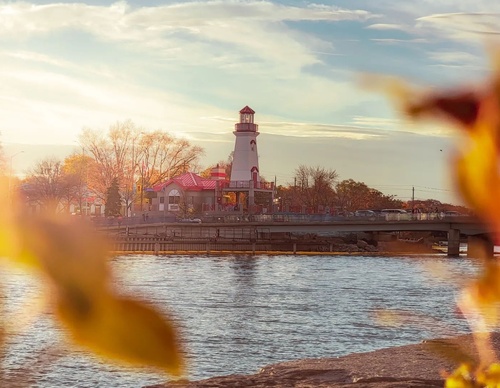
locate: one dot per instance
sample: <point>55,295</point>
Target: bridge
<point>455,228</point>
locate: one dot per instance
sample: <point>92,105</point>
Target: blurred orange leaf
<point>123,329</point>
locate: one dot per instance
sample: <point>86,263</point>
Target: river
<point>239,313</point>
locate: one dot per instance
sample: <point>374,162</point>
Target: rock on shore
<point>411,366</point>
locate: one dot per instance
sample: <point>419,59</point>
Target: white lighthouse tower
<point>245,178</point>
<point>245,157</point>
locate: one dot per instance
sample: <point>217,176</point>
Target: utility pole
<point>413,199</point>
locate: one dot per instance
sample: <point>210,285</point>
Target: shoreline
<point>417,365</point>
<point>385,249</point>
<point>279,253</point>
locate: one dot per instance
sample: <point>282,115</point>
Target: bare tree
<point>47,186</point>
<point>138,159</point>
<point>115,155</point>
<point>164,156</point>
<point>313,186</point>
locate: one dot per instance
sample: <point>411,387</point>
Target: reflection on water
<point>239,313</point>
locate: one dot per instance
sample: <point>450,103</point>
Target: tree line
<point>117,166</point>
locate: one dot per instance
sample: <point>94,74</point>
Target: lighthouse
<point>245,157</point>
<point>245,180</point>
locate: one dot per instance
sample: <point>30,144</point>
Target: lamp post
<point>11,170</point>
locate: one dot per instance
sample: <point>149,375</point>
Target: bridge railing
<point>276,217</point>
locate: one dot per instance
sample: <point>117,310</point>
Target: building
<point>187,194</point>
<point>245,181</point>
<point>190,194</point>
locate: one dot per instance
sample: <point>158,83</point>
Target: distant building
<point>187,193</point>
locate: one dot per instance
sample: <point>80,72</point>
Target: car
<point>365,213</point>
<point>393,211</point>
<point>452,213</point>
<point>190,220</point>
<point>395,214</point>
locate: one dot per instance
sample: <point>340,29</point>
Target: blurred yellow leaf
<point>462,377</point>
<point>490,377</point>
<point>73,260</point>
<point>122,329</point>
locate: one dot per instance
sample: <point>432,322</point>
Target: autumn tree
<point>115,155</point>
<point>164,156</point>
<point>352,195</point>
<point>79,167</point>
<point>47,186</point>
<point>138,159</point>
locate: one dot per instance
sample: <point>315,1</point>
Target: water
<point>239,313</point>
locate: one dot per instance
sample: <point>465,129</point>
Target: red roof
<point>247,109</point>
<point>188,181</point>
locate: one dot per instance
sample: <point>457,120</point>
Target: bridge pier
<point>480,246</point>
<point>453,242</point>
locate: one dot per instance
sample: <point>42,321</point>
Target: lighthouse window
<point>246,118</point>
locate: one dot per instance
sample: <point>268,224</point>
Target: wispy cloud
<point>392,41</point>
<point>386,26</point>
<point>464,26</point>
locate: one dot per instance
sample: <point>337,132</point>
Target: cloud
<point>177,62</point>
<point>460,59</point>
<point>183,31</point>
<point>394,41</point>
<point>464,26</point>
<point>386,26</point>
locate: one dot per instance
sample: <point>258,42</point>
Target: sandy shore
<point>419,365</point>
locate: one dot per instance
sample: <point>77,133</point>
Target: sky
<point>188,67</point>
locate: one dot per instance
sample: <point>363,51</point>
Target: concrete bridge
<point>456,228</point>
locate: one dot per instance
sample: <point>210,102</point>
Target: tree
<point>114,155</point>
<point>352,195</point>
<point>137,158</point>
<point>313,187</point>
<point>79,167</point>
<point>113,199</point>
<point>164,156</point>
<point>47,186</point>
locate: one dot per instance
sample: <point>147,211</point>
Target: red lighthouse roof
<point>247,109</point>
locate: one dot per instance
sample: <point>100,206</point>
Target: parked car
<point>365,213</point>
<point>393,211</point>
<point>190,220</point>
<point>395,214</point>
<point>452,213</point>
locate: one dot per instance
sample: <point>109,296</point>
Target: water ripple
<point>239,313</point>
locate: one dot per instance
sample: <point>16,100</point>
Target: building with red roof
<point>188,193</point>
<point>191,194</point>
